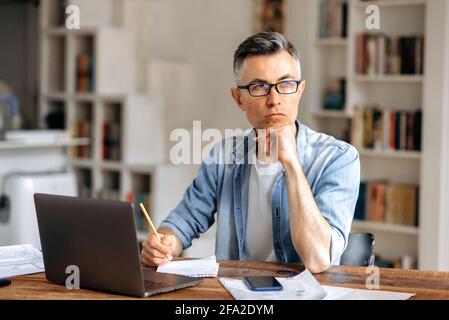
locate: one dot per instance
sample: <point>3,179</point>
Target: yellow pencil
<point>147,216</point>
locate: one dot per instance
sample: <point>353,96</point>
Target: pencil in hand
<point>147,216</point>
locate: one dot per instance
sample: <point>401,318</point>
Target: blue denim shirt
<point>332,168</point>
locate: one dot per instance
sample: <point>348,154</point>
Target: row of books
<point>111,141</point>
<point>379,54</point>
<point>85,72</point>
<point>386,129</point>
<point>381,201</point>
<point>135,198</point>
<point>82,129</point>
<point>333,18</point>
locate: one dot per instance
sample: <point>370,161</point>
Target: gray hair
<point>263,44</point>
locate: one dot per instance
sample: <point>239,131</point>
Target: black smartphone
<point>262,283</point>
<point>4,282</point>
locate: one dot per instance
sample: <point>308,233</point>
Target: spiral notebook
<point>207,267</point>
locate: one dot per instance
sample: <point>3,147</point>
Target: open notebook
<point>207,267</point>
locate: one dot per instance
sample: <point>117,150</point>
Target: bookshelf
<point>332,58</point>
<point>87,86</point>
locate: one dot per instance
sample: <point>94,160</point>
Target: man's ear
<point>236,96</point>
<point>302,86</point>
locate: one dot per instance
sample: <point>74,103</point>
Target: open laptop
<point>99,237</point>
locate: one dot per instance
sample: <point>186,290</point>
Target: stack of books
<point>386,129</point>
<point>333,18</point>
<point>392,203</point>
<point>379,54</point>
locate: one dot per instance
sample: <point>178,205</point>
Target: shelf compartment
<point>112,131</point>
<point>54,114</point>
<point>84,63</point>
<point>82,127</point>
<point>84,182</point>
<point>110,185</point>
<point>56,66</point>
<point>140,192</point>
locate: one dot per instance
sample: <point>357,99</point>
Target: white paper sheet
<point>340,293</point>
<point>301,287</point>
<point>207,267</point>
<point>305,287</point>
<point>19,260</point>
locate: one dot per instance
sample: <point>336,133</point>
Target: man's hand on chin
<point>285,143</point>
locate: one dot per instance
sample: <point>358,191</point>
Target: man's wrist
<point>292,165</point>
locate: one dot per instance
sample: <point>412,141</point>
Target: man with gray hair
<point>295,207</point>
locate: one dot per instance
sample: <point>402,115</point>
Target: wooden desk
<point>426,284</point>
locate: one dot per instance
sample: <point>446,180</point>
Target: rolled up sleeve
<point>336,195</point>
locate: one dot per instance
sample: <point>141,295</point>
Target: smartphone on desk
<point>262,283</point>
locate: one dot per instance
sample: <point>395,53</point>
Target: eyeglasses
<point>263,89</point>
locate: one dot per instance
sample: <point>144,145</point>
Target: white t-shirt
<point>259,225</point>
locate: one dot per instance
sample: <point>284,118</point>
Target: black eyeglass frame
<point>298,82</point>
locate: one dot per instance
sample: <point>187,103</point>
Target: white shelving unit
<point>112,169</point>
<point>335,58</point>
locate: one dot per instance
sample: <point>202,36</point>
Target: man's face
<point>274,109</point>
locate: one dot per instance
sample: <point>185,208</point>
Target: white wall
<point>434,210</point>
<point>202,36</point>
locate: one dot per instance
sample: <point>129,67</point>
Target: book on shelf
<point>85,72</point>
<point>380,54</point>
<point>375,201</point>
<point>135,198</point>
<point>385,202</point>
<point>335,95</point>
<point>81,129</point>
<point>377,129</point>
<point>333,20</point>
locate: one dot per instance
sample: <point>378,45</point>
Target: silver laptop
<point>99,238</point>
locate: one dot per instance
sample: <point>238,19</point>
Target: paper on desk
<point>207,267</point>
<point>301,287</point>
<point>19,260</point>
<point>340,293</point>
<point>305,287</point>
